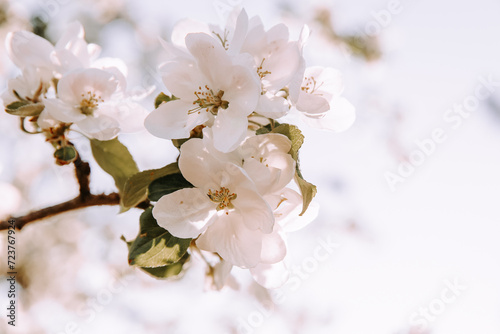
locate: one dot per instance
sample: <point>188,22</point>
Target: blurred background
<point>409,221</point>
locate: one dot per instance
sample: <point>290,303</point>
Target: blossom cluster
<point>230,83</point>
<point>236,188</point>
<point>67,83</point>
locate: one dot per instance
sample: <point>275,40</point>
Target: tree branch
<point>75,203</point>
<point>83,200</point>
<point>82,171</point>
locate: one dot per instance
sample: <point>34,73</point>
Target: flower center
<point>311,85</point>
<point>206,99</point>
<point>223,197</point>
<point>223,41</point>
<point>262,160</point>
<point>260,72</point>
<point>89,103</point>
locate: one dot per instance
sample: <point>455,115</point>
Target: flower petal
<point>229,237</point>
<point>184,213</point>
<point>100,127</point>
<point>211,57</point>
<point>25,48</point>
<point>338,119</point>
<point>198,166</point>
<point>229,130</point>
<point>270,276</point>
<point>172,121</point>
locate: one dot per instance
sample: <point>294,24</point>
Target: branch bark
<point>83,200</point>
<point>75,203</point>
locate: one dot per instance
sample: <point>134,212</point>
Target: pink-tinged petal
<point>233,157</point>
<point>267,162</point>
<point>185,213</point>
<point>229,237</point>
<point>287,206</point>
<point>101,83</point>
<point>211,57</point>
<point>45,120</point>
<point>62,111</point>
<point>256,213</point>
<point>278,32</point>
<point>172,121</point>
<point>185,27</point>
<point>130,115</point>
<point>25,48</point>
<point>241,89</point>
<point>73,31</point>
<point>100,127</point>
<point>263,177</point>
<point>221,275</point>
<point>198,166</point>
<point>240,31</point>
<point>172,51</point>
<point>296,82</point>
<point>340,118</point>
<point>229,130</point>
<point>312,104</point>
<point>282,64</point>
<point>272,106</point>
<point>270,276</point>
<point>329,81</point>
<point>113,65</point>
<point>273,247</point>
<point>182,79</point>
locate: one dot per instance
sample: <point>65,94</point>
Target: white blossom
<point>212,90</point>
<point>93,100</point>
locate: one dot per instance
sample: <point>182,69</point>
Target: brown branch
<point>82,171</point>
<point>75,203</point>
<point>83,200</point>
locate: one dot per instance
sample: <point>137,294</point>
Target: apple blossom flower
<point>225,210</point>
<point>320,100</point>
<point>27,49</point>
<point>276,61</point>
<point>92,99</point>
<point>212,90</point>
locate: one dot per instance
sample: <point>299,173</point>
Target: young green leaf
<point>65,155</point>
<point>308,191</point>
<point>115,159</point>
<point>24,108</point>
<point>168,271</point>
<point>136,187</point>
<point>166,185</point>
<point>155,246</point>
<point>162,97</point>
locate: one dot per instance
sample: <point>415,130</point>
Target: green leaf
<point>167,271</point>
<point>136,187</point>
<point>155,246</point>
<point>293,133</point>
<point>266,128</point>
<point>24,108</point>
<point>166,185</point>
<point>115,159</point>
<point>308,191</point>
<point>162,97</point>
<point>65,155</point>
<point>178,142</point>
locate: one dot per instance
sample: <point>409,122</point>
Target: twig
<point>82,171</point>
<point>75,203</point>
